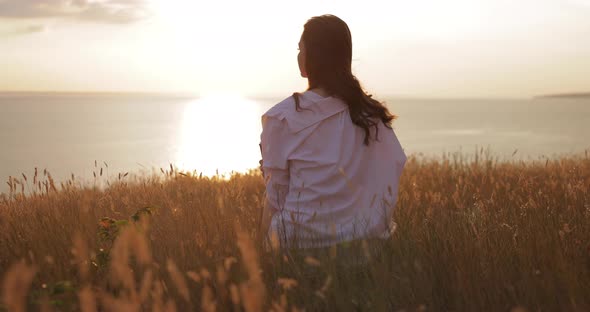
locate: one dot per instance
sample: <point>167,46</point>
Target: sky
<point>418,48</point>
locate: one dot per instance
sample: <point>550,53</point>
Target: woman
<point>330,157</point>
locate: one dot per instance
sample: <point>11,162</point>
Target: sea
<point>82,134</point>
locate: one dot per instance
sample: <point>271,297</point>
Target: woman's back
<point>335,188</point>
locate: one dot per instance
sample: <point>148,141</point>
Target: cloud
<point>105,11</point>
<point>33,29</point>
<point>30,29</point>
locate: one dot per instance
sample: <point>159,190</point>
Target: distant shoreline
<point>580,95</point>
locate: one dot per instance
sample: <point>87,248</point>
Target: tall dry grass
<point>473,234</point>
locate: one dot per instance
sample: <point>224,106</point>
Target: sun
<point>219,134</point>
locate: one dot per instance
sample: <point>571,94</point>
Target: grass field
<point>473,234</point>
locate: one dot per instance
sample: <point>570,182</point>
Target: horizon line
<point>267,96</point>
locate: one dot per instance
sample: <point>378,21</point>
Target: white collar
<point>314,108</point>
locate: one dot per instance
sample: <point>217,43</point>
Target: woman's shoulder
<point>281,109</point>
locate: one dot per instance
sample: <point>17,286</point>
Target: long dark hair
<point>328,49</point>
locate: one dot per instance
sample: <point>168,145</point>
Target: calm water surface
<point>67,133</point>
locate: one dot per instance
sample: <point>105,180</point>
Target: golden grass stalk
<point>16,285</point>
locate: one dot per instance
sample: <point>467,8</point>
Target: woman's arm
<point>277,187</point>
<point>275,169</point>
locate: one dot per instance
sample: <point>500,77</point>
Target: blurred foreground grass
<point>473,234</point>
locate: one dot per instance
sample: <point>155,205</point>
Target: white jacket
<point>323,185</point>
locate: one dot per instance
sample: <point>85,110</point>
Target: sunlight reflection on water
<point>219,134</point>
